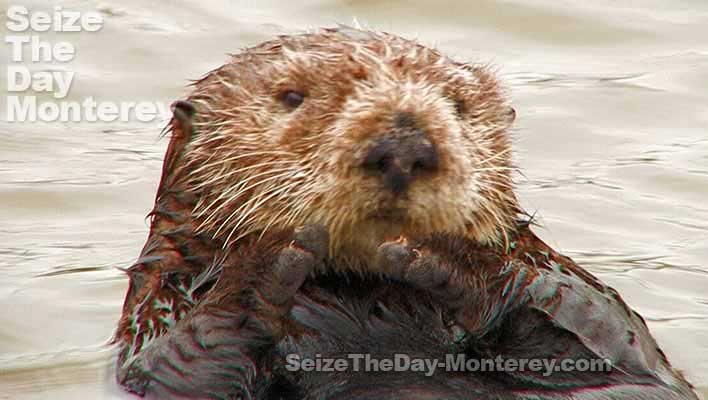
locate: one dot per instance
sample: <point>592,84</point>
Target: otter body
<point>349,192</point>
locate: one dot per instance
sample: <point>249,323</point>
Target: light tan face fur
<point>260,165</point>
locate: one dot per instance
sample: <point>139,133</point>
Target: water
<point>612,134</point>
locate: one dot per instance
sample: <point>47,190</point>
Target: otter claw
<point>419,268</point>
<point>394,258</point>
<point>295,262</point>
<point>312,238</point>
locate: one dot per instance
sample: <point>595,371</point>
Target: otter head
<point>368,134</point>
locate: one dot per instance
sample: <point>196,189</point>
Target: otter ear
<point>183,112</point>
<point>180,128</point>
<point>181,122</point>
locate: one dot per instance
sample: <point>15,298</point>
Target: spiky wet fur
<point>257,164</point>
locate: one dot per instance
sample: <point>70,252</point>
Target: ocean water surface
<point>611,134</point>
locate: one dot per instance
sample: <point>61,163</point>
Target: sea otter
<point>350,192</point>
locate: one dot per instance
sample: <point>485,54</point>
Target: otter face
<point>369,134</point>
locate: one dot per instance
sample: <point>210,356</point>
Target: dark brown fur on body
<point>215,301</point>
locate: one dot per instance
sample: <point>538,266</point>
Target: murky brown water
<point>612,133</point>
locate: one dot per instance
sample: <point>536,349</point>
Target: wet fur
<point>258,165</point>
<point>213,304</point>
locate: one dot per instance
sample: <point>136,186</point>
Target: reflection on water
<point>611,137</point>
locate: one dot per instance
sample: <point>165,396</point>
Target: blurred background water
<point>612,136</point>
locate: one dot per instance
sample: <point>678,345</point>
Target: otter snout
<point>402,155</point>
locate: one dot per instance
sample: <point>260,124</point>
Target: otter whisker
<point>214,224</point>
<point>271,221</point>
<point>493,169</point>
<point>215,214</point>
<point>258,199</point>
<point>263,164</point>
<point>497,155</point>
<point>206,167</point>
<point>241,170</point>
<point>301,206</point>
<point>261,199</point>
<point>240,188</point>
<point>493,181</point>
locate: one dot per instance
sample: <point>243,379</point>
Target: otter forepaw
<point>394,258</point>
<point>313,239</point>
<point>296,261</point>
<point>419,267</point>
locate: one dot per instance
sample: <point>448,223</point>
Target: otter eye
<point>292,98</point>
<point>460,107</point>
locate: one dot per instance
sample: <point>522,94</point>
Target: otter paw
<point>394,258</point>
<point>312,238</point>
<point>420,268</point>
<point>305,252</point>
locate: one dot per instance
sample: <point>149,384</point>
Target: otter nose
<point>402,155</point>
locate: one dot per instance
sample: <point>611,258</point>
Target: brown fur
<point>256,164</point>
<point>241,163</point>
